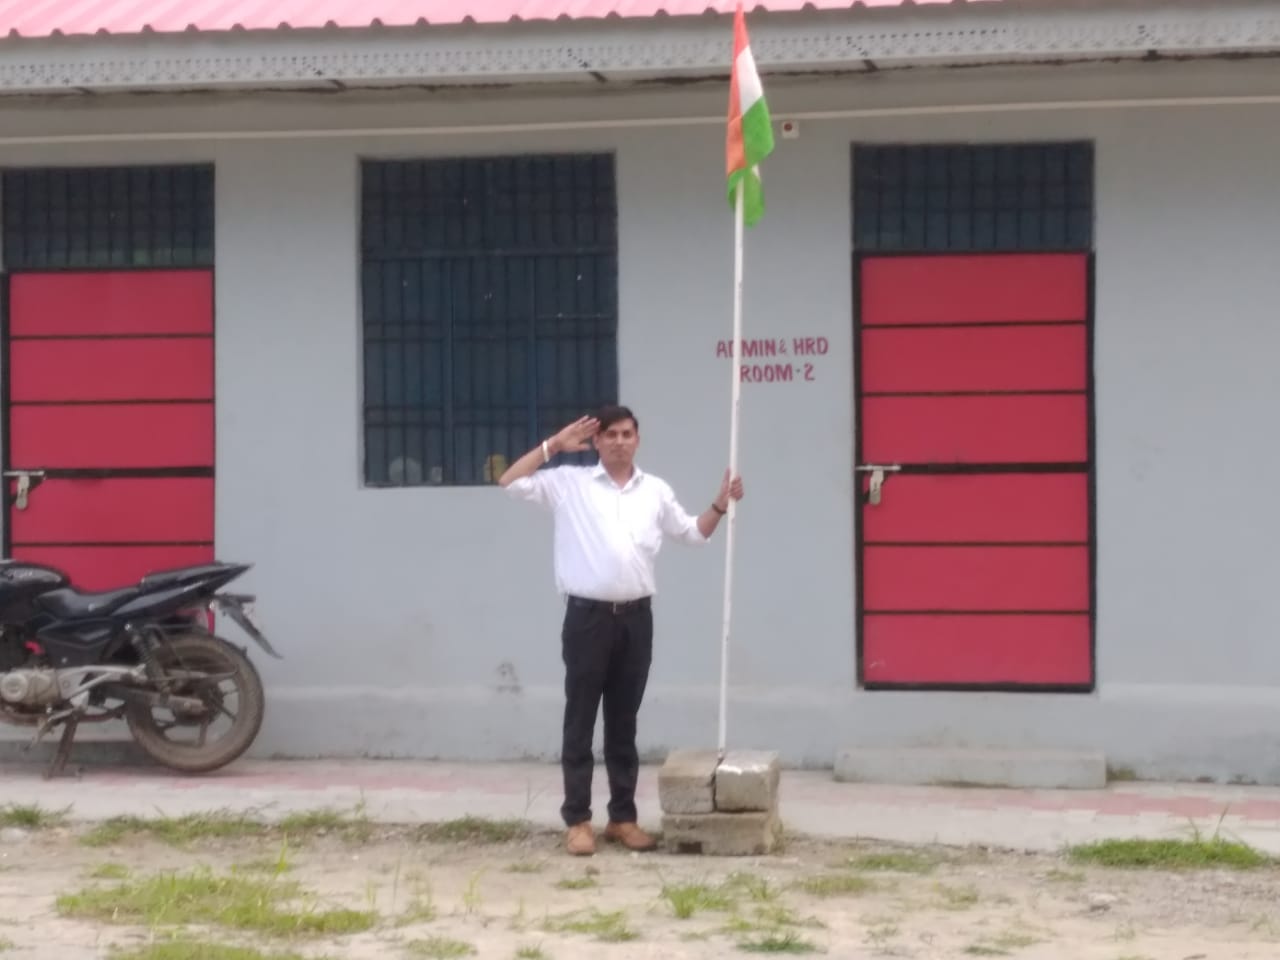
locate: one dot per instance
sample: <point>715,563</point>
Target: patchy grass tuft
<point>607,927</point>
<point>109,871</point>
<point>958,898</point>
<point>892,863</point>
<point>577,883</point>
<point>1001,946</point>
<point>176,831</point>
<point>689,898</point>
<point>440,948</point>
<point>197,950</point>
<point>836,885</point>
<point>531,953</point>
<point>526,866</point>
<point>201,897</point>
<point>31,816</point>
<point>785,942</point>
<point>473,830</point>
<point>1195,854</point>
<point>353,828</point>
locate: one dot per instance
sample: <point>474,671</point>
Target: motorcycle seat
<point>68,603</point>
<point>180,574</point>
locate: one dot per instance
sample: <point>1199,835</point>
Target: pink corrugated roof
<point>43,18</point>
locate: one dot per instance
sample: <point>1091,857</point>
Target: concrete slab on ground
<point>930,766</point>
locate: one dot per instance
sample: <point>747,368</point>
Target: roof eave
<point>627,50</point>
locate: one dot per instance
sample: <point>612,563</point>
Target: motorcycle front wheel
<point>208,668</point>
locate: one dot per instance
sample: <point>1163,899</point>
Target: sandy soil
<point>504,898</point>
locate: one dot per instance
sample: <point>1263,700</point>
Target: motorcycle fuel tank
<point>21,582</point>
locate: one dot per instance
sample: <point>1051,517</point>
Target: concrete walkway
<point>811,801</point>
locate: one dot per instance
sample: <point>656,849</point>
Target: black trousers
<point>607,652</point>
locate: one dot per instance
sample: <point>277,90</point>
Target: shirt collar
<point>598,472</point>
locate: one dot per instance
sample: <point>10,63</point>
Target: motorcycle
<point>69,657</point>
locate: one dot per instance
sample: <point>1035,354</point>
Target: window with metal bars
<point>77,218</point>
<point>973,197</point>
<point>489,309</point>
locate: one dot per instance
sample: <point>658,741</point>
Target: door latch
<point>25,486</point>
<point>877,471</point>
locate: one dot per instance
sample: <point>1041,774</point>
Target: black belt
<point>613,606</point>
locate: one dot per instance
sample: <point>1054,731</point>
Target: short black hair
<point>613,413</point>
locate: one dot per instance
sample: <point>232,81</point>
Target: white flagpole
<point>736,364</point>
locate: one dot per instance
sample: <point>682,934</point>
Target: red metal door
<point>110,418</point>
<point>975,554</point>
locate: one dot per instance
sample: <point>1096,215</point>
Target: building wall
<point>423,622</point>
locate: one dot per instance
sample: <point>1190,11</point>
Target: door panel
<point>968,508</point>
<point>110,400</point>
<point>1003,288</point>
<point>46,371</point>
<point>976,578</point>
<point>117,510</point>
<point>120,436</point>
<point>977,650</point>
<point>1003,359</point>
<point>975,429</point>
<point>975,557</point>
<point>111,303</point>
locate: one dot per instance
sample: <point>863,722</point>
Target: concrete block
<point>686,781</point>
<point>747,780</point>
<point>978,767</point>
<point>722,834</point>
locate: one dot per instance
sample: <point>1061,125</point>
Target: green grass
<point>836,885</point>
<point>892,863</point>
<point>176,831</point>
<point>31,817</point>
<point>354,828</point>
<point>473,830</point>
<point>225,825</point>
<point>785,942</point>
<point>201,897</point>
<point>1195,854</point>
<point>109,871</point>
<point>957,898</point>
<point>526,866</point>
<point>607,927</point>
<point>6,944</point>
<point>440,948</point>
<point>577,883</point>
<point>690,898</point>
<point>197,950</point>
<point>531,953</point>
<point>1001,946</point>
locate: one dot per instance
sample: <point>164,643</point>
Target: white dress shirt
<point>607,537</point>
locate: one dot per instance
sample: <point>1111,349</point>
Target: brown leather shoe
<point>630,836</point>
<point>581,839</point>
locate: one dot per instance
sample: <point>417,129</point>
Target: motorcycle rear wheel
<point>211,654</point>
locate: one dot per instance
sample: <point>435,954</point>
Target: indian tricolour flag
<point>750,135</point>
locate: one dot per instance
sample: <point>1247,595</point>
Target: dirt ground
<point>524,898</point>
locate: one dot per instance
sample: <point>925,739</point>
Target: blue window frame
<point>956,198</point>
<point>489,309</point>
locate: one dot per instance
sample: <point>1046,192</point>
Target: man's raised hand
<point>576,436</point>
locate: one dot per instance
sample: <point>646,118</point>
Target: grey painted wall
<point>404,614</point>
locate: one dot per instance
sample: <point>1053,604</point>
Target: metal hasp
<point>877,471</point>
<point>25,486</point>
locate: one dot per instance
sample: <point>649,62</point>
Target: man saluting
<point>610,520</point>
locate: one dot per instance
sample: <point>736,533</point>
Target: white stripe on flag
<point>749,89</point>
